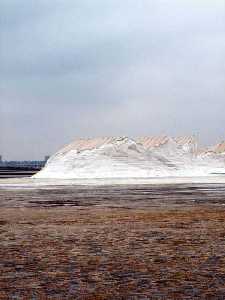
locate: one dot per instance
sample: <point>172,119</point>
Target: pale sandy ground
<point>38,183</point>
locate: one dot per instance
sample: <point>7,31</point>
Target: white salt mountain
<point>127,158</point>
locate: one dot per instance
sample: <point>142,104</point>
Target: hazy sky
<point>85,68</point>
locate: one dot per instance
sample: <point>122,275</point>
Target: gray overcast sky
<point>85,68</point>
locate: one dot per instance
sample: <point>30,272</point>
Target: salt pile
<point>122,157</point>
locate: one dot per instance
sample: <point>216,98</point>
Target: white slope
<point>127,158</point>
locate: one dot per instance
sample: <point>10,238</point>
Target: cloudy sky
<point>71,68</point>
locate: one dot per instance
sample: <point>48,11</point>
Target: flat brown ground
<point>159,249</point>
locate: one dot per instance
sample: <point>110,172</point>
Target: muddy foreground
<point>130,242</point>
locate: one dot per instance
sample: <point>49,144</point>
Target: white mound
<point>127,158</point>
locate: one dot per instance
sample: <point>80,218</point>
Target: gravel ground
<point>113,242</point>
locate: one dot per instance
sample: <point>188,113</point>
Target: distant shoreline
<point>15,172</point>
